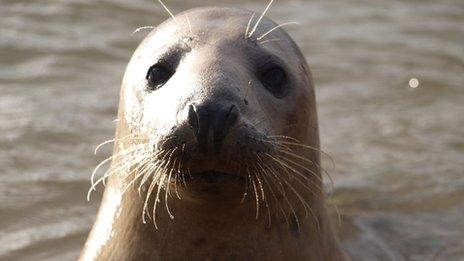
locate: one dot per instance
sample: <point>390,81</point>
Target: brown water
<point>399,151</point>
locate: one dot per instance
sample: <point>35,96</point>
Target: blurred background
<point>389,79</point>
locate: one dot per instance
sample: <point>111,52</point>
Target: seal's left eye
<point>158,75</point>
<point>275,80</point>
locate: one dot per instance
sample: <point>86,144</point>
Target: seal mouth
<point>215,183</point>
<point>212,176</point>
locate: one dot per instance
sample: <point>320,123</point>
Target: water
<point>399,173</point>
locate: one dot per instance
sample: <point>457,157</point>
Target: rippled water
<point>399,151</point>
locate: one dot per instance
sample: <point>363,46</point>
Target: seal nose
<point>211,124</point>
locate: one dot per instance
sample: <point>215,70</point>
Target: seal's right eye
<point>275,80</point>
<point>158,75</point>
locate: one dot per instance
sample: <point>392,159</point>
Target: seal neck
<point>205,231</point>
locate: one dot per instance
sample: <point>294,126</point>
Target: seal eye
<point>158,75</point>
<point>275,80</point>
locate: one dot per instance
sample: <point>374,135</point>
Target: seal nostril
<point>193,119</point>
<point>223,126</point>
<point>232,117</point>
<point>210,123</point>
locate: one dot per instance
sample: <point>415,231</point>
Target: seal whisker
<point>265,165</point>
<point>278,203</point>
<point>108,173</point>
<point>92,177</point>
<point>182,163</point>
<point>121,167</point>
<point>151,169</point>
<point>274,28</point>
<point>287,183</point>
<point>146,175</point>
<point>168,187</point>
<point>284,137</point>
<point>286,150</point>
<point>339,216</point>
<point>309,161</point>
<point>274,178</point>
<point>160,171</point>
<point>290,153</point>
<point>260,185</point>
<point>146,168</point>
<point>99,146</point>
<point>255,192</point>
<point>270,40</point>
<point>257,123</point>
<point>131,159</point>
<point>177,175</point>
<point>153,183</point>
<point>167,193</point>
<point>248,26</point>
<point>159,183</point>
<point>157,172</point>
<point>189,24</point>
<point>167,9</point>
<point>266,182</point>
<point>170,170</point>
<point>143,28</point>
<point>245,192</point>
<point>260,18</point>
<point>258,175</point>
<point>103,144</point>
<point>287,167</point>
<point>148,165</point>
<point>289,161</point>
<point>182,175</point>
<point>299,176</point>
<point>292,209</point>
<point>162,178</point>
<point>137,174</point>
<point>158,165</point>
<point>309,147</point>
<point>305,205</point>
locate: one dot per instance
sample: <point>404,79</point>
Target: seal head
<point>214,94</point>
<point>218,124</point>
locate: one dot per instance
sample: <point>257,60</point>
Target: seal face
<point>217,121</point>
<point>209,92</point>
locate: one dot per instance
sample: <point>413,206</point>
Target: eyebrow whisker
<point>248,25</point>
<point>260,18</point>
<point>270,40</point>
<point>189,24</point>
<point>274,28</point>
<point>167,9</point>
<point>143,28</point>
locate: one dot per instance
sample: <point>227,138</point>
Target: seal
<point>216,154</point>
